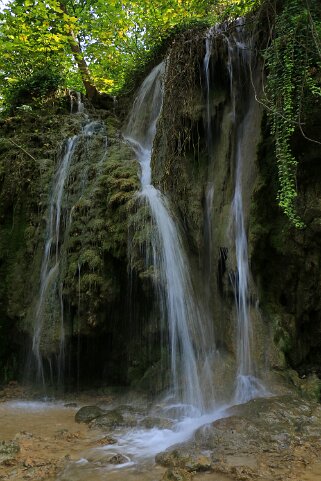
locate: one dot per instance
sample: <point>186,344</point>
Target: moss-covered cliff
<point>90,295</point>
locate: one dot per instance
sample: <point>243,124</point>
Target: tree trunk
<point>91,90</point>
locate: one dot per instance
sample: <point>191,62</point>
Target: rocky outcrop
<point>264,439</point>
<point>92,283</point>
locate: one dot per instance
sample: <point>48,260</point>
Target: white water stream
<point>248,386</point>
<point>50,261</point>
<point>189,343</point>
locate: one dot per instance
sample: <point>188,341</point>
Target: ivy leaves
<point>293,57</point>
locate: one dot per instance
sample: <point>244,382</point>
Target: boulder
<point>88,413</point>
<point>109,420</point>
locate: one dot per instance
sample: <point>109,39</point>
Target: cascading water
<point>209,190</point>
<point>50,297</point>
<point>239,61</point>
<point>50,261</point>
<point>189,343</point>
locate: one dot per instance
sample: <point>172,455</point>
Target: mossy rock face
<point>88,294</point>
<point>286,261</point>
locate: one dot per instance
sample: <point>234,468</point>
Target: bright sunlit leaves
<point>114,36</point>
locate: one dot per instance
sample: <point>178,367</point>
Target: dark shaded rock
<point>88,413</point>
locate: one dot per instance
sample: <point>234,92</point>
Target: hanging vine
<point>293,60</point>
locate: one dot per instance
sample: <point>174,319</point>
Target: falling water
<point>51,288</point>
<point>209,190</point>
<point>207,74</point>
<point>50,261</point>
<point>169,259</point>
<point>247,385</point>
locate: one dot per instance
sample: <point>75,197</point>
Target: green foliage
<point>293,59</point>
<point>114,38</point>
<point>231,9</point>
<point>38,86</point>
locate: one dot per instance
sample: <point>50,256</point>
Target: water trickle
<point>80,105</point>
<point>209,191</point>
<point>50,261</point>
<point>189,343</point>
<point>207,74</point>
<point>50,297</point>
<point>239,64</point>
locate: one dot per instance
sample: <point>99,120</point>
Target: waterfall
<point>209,190</point>
<point>50,261</point>
<point>247,385</point>
<point>239,64</point>
<point>207,74</point>
<point>187,337</point>
<point>50,296</point>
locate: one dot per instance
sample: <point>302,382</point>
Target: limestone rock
<point>156,422</point>
<point>88,413</point>
<point>108,458</point>
<point>177,475</point>
<point>109,420</point>
<point>8,451</point>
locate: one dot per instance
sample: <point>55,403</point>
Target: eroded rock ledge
<point>268,439</point>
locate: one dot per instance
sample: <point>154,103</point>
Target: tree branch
<point>21,148</point>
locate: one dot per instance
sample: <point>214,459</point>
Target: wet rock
<point>177,475</point>
<point>70,405</point>
<point>88,413</point>
<point>156,422</point>
<point>106,440</point>
<point>109,458</point>
<point>8,451</point>
<point>184,459</point>
<point>268,438</point>
<point>173,459</point>
<point>200,463</point>
<point>65,435</point>
<point>109,420</point>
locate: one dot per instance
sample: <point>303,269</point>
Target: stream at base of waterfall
<point>40,440</point>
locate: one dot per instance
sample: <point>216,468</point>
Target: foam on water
<point>32,406</point>
<point>141,444</point>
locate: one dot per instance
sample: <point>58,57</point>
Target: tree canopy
<point>92,44</point>
<point>95,46</point>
